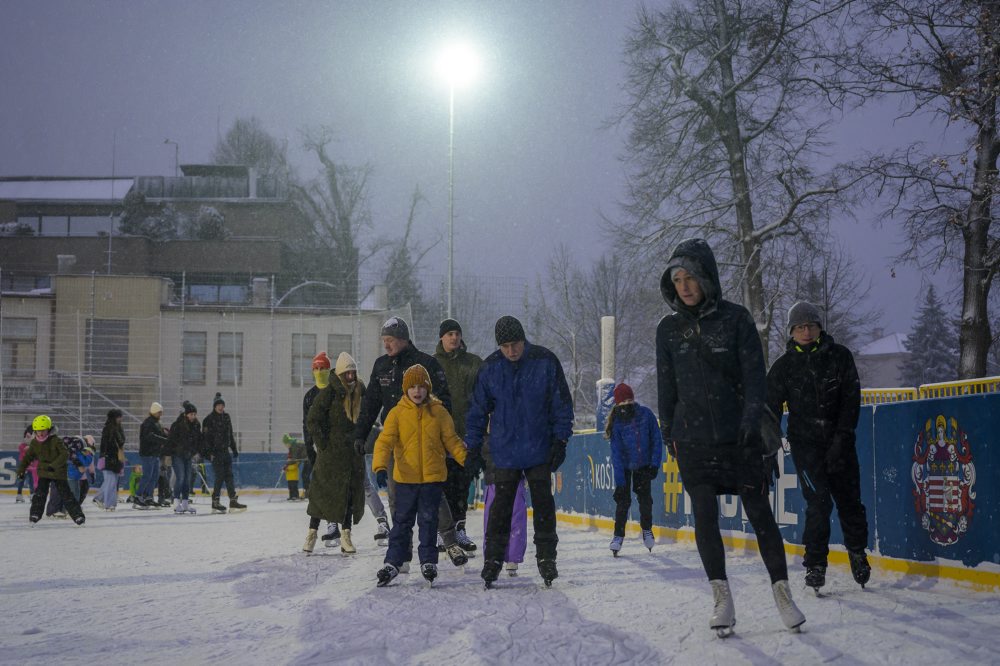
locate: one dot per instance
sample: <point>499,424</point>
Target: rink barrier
<point>952,537</point>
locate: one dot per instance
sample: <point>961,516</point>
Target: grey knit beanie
<point>803,313</point>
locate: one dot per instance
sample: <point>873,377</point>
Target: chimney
<point>260,292</point>
<point>65,263</point>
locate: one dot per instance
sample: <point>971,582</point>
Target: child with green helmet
<point>52,456</point>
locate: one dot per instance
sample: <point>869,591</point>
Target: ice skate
<point>511,568</point>
<point>19,500</point>
<point>440,544</point>
<point>310,543</point>
<point>860,568</point>
<point>34,519</point>
<point>80,520</point>
<point>59,514</point>
<point>467,544</point>
<point>98,501</point>
<point>382,532</point>
<point>332,537</point>
<point>217,506</point>
<point>235,506</point>
<point>647,539</point>
<point>547,568</point>
<point>346,546</point>
<point>386,574</point>
<point>491,571</point>
<point>429,571</point>
<point>724,613</point>
<point>456,555</point>
<point>616,545</point>
<point>790,613</point>
<point>816,578</point>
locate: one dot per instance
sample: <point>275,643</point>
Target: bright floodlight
<point>458,64</point>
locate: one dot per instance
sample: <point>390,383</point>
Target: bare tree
<point>249,144</point>
<point>941,58</point>
<point>726,114</point>
<point>336,203</point>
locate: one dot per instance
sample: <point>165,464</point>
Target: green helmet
<point>42,422</point>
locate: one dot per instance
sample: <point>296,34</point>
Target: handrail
<point>882,396</point>
<point>963,387</point>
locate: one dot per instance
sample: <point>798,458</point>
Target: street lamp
<point>457,65</point>
<point>177,149</point>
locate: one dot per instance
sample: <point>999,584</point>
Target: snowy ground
<point>143,587</point>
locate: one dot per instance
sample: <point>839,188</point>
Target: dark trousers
<point>640,485</point>
<point>415,502</point>
<point>42,492</point>
<point>708,537</point>
<point>456,490</point>
<point>307,470</point>
<point>222,467</point>
<point>821,490</point>
<point>544,511</point>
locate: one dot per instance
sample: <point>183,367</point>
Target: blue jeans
<point>150,475</point>
<point>182,476</point>
<point>109,491</point>
<point>415,502</point>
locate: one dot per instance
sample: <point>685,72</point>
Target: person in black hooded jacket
<point>712,388</point>
<point>818,380</point>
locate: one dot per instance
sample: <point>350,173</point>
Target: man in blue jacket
<point>521,397</point>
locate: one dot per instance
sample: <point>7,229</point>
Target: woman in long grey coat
<point>336,491</point>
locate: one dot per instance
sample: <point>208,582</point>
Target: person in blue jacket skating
<point>636,453</point>
<point>522,399</point>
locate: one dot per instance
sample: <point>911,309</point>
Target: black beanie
<point>396,327</point>
<point>189,408</point>
<point>509,329</point>
<point>447,326</point>
<point>218,400</point>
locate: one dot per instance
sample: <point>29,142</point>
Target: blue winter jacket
<point>524,406</point>
<point>81,459</point>
<point>635,443</point>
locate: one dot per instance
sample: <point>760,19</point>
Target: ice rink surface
<point>157,588</point>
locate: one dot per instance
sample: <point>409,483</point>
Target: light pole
<point>458,65</point>
<point>177,150</point>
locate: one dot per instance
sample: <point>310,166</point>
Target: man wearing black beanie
<point>522,396</point>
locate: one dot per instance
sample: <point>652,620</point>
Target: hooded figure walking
<point>712,389</point>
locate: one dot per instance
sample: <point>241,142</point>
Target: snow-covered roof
<point>894,343</point>
<point>71,189</point>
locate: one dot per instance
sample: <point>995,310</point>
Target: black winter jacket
<point>822,389</point>
<point>184,438</point>
<point>307,401</point>
<point>151,437</point>
<point>217,433</point>
<point>112,440</point>
<point>385,387</point>
<point>709,360</point>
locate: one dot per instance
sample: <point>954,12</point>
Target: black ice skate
<point>456,555</point>
<point>491,571</point>
<point>547,568</point>
<point>235,506</point>
<point>815,578</point>
<point>429,571</point>
<point>860,568</point>
<point>386,574</point>
<point>80,520</point>
<point>217,506</point>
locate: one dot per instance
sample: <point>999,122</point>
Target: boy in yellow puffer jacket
<point>418,433</point>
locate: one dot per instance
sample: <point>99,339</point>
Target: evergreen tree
<point>933,345</point>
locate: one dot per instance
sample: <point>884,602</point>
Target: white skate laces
<point>790,613</point>
<point>724,613</point>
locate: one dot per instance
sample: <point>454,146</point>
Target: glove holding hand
<point>750,440</point>
<point>557,454</point>
<point>835,454</point>
<point>382,479</point>
<point>359,446</point>
<point>474,463</point>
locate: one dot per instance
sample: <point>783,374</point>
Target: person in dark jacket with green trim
<point>460,367</point>
<point>712,389</point>
<point>818,380</point>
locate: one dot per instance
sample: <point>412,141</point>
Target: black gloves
<point>750,440</point>
<point>382,478</point>
<point>474,463</point>
<point>359,446</point>
<point>236,454</point>
<point>557,454</point>
<point>835,453</point>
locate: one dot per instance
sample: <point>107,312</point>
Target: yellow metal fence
<point>882,396</point>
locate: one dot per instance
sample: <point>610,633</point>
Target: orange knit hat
<point>416,375</point>
<point>321,361</point>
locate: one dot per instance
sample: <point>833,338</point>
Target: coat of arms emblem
<point>943,478</point>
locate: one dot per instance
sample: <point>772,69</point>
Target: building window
<point>19,336</point>
<point>336,343</point>
<point>303,351</point>
<point>194,359</point>
<point>107,346</point>
<point>214,293</point>
<point>230,359</point>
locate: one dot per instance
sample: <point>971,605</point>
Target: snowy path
<point>133,587</point>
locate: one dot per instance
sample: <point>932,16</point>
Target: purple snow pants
<point>518,523</point>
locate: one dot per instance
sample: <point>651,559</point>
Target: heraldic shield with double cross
<point>944,477</point>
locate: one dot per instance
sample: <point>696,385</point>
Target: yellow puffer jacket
<point>416,437</point>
